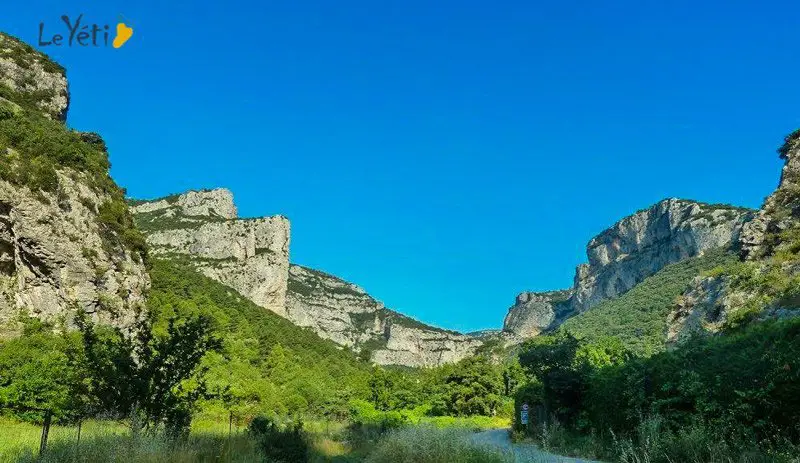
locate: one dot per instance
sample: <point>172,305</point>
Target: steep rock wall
<point>252,257</point>
<point>65,233</point>
<point>710,302</point>
<point>346,314</point>
<point>631,250</point>
<point>249,255</point>
<point>533,312</point>
<point>642,244</point>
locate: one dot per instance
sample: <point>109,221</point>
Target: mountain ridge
<point>251,255</point>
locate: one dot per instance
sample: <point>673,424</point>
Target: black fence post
<point>78,442</point>
<point>230,436</point>
<point>48,416</point>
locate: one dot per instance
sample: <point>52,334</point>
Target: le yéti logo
<point>82,34</point>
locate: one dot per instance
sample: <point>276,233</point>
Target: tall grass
<point>653,442</point>
<point>106,441</point>
<point>698,443</point>
<point>426,444</point>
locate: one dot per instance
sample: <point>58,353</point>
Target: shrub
<point>285,444</point>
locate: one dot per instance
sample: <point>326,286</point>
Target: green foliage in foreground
<point>40,370</point>
<point>432,445</point>
<point>475,386</point>
<point>156,379</point>
<point>638,318</point>
<point>279,443</point>
<point>113,442</point>
<point>734,392</point>
<point>267,364</point>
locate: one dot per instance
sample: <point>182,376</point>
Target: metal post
<point>48,416</point>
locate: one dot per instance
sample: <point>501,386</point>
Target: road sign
<point>525,407</point>
<point>523,417</point>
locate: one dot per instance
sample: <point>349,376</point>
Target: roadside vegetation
<point>205,357</point>
<point>726,398</point>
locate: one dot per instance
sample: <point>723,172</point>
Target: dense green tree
<point>42,370</point>
<point>158,378</point>
<point>474,387</point>
<point>381,389</point>
<point>267,365</point>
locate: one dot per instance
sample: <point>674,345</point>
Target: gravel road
<point>523,453</point>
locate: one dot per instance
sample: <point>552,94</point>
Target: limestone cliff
<point>252,257</point>
<point>780,210</point>
<point>249,255</point>
<point>642,244</point>
<point>533,312</point>
<point>28,74</point>
<point>622,256</point>
<point>346,314</point>
<point>768,246</point>
<point>67,240</point>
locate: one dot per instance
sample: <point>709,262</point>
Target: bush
<point>431,445</point>
<point>285,444</point>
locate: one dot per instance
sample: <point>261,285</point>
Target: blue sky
<point>443,155</point>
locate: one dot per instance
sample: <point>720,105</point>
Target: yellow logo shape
<point>123,34</point>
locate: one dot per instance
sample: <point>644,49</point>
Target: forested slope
<point>270,364</point>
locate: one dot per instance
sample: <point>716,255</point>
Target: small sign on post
<point>523,415</point>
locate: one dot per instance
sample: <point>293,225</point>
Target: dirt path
<point>523,453</point>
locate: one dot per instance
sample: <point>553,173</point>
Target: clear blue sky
<point>443,155</point>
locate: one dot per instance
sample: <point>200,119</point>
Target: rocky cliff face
<point>628,252</point>
<point>711,302</point>
<point>411,345</point>
<point>249,255</point>
<point>54,257</point>
<point>780,210</point>
<point>346,314</point>
<point>65,233</point>
<point>30,74</point>
<point>252,257</point>
<point>333,308</point>
<point>647,241</point>
<point>533,313</point>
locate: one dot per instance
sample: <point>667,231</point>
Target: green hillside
<point>638,317</point>
<point>270,364</point>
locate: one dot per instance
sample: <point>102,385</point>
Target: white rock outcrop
<point>249,255</point>
<point>252,257</point>
<point>57,255</point>
<point>534,312</point>
<point>622,256</point>
<point>54,258</point>
<point>642,244</point>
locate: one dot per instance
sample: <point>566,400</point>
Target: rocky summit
<point>32,76</point>
<point>631,250</point>
<point>249,255</point>
<point>252,257</point>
